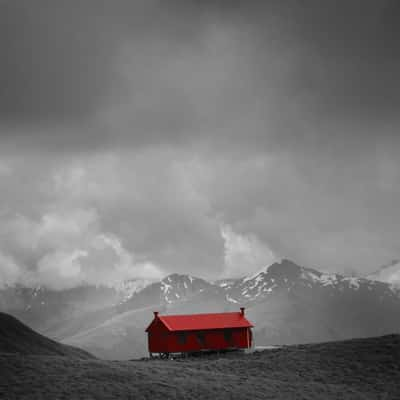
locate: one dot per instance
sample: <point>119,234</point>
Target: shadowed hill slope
<point>15,337</point>
<point>363,369</point>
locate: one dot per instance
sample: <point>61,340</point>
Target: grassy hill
<point>356,369</point>
<point>15,337</point>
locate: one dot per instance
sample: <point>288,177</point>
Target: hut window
<point>228,335</point>
<point>201,338</point>
<point>182,338</point>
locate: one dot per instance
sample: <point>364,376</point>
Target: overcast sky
<point>140,138</point>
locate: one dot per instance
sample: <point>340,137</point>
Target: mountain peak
<point>176,278</point>
<point>286,268</point>
<point>177,286</point>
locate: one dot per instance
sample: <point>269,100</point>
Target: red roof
<point>204,321</point>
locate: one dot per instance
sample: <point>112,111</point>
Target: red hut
<point>196,332</point>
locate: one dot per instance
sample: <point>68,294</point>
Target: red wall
<point>158,337</point>
<point>163,341</point>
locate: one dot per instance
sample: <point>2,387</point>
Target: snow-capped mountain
<point>50,311</point>
<point>286,302</point>
<point>31,302</point>
<point>175,287</point>
<point>171,289</point>
<point>130,287</point>
<point>287,276</point>
<point>389,273</point>
<point>40,307</point>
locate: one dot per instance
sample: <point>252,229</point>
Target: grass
<point>356,369</point>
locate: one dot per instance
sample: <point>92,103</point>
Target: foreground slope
<point>355,369</point>
<point>15,337</point>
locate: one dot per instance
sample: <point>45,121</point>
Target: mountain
<point>119,333</point>
<point>15,337</point>
<point>389,273</point>
<point>127,289</point>
<point>287,303</point>
<point>289,278</point>
<point>292,304</point>
<point>171,289</point>
<point>50,311</point>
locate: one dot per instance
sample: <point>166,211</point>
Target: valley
<point>287,303</point>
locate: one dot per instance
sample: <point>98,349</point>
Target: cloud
<point>165,207</point>
<point>101,261</point>
<point>4,169</point>
<point>147,124</point>
<point>100,205</point>
<point>68,249</point>
<point>244,254</point>
<point>83,77</point>
<point>10,272</point>
<point>59,60</point>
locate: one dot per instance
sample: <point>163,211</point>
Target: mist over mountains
<point>389,273</point>
<point>286,302</point>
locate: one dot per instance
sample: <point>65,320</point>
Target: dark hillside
<point>15,337</point>
<point>366,369</point>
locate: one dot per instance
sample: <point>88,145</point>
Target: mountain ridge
<point>287,303</point>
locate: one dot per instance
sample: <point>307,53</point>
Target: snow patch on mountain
<point>329,279</point>
<point>255,275</point>
<point>128,288</point>
<point>177,287</point>
<point>353,282</point>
